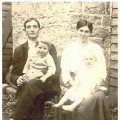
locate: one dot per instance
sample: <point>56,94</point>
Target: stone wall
<point>58,21</point>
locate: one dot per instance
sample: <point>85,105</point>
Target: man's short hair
<point>29,20</point>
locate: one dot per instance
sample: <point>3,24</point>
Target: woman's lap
<point>94,108</point>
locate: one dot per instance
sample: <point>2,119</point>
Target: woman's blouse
<point>71,60</point>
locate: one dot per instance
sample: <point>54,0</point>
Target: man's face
<point>42,49</point>
<point>32,30</point>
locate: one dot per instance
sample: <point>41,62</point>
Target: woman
<point>93,108</point>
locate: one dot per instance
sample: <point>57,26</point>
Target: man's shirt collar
<point>31,43</point>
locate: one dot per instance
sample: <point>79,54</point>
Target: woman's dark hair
<point>29,20</point>
<point>83,23</point>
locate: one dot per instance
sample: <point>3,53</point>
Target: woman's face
<point>83,33</point>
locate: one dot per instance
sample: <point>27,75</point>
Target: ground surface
<point>7,111</point>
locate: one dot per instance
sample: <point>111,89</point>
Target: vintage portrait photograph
<point>60,60</point>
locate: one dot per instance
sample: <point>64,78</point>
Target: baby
<point>84,85</point>
<point>41,65</point>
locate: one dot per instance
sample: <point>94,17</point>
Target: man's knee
<point>28,87</point>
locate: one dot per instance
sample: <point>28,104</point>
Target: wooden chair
<point>11,89</point>
<point>8,75</point>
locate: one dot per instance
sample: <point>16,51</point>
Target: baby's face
<point>89,61</point>
<point>42,49</point>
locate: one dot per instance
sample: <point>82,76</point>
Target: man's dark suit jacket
<point>20,58</point>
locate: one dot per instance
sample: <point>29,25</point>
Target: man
<point>33,93</point>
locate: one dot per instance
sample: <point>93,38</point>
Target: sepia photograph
<point>60,60</point>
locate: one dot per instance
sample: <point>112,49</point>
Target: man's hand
<point>26,78</point>
<point>20,81</point>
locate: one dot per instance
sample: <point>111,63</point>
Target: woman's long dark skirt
<point>94,108</point>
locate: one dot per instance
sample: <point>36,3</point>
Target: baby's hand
<point>43,79</point>
<point>70,83</point>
